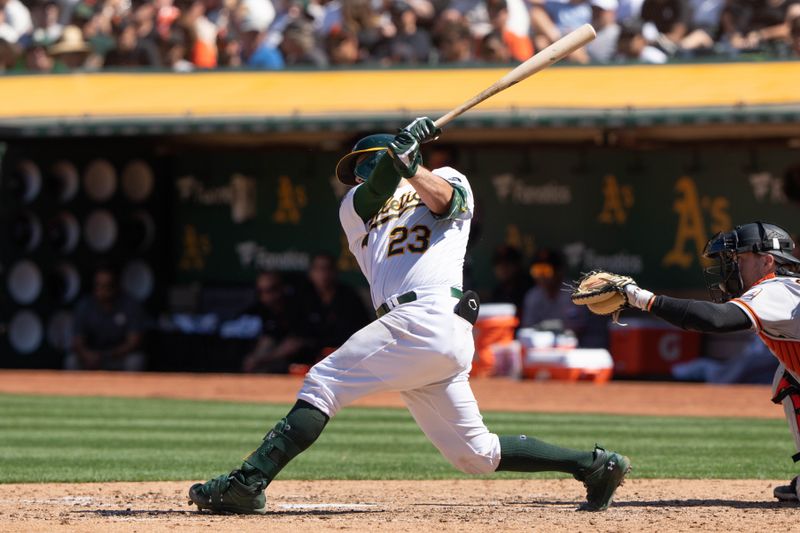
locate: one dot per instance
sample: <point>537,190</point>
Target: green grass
<point>70,439</point>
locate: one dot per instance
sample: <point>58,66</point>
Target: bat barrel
<point>543,59</point>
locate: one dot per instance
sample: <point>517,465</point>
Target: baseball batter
<point>755,285</point>
<point>407,226</point>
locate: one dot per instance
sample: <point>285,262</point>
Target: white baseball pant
<point>424,350</point>
<point>788,405</point>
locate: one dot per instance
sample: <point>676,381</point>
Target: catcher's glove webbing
<point>602,292</point>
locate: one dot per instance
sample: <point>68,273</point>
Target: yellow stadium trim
<point>320,93</point>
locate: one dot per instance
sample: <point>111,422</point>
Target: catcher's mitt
<point>602,292</point>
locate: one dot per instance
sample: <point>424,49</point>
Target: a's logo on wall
<point>617,200</point>
<point>692,210</point>
<point>196,247</point>
<point>291,200</point>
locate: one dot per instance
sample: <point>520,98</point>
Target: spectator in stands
<point>16,20</point>
<point>795,37</point>
<point>372,29</point>
<point>754,365</point>
<point>548,306</point>
<point>546,301</point>
<point>425,10</point>
<point>410,44</point>
<point>632,46</point>
<point>175,50</point>
<point>9,52</point>
<point>108,328</point>
<point>473,13</point>
<point>71,51</point>
<point>299,46</point>
<point>257,50</point>
<point>758,25</point>
<point>37,59</point>
<point>665,23</point>
<point>342,48</point>
<point>98,32</point>
<point>512,281</point>
<point>704,27</point>
<point>604,19</point>
<point>230,51</point>
<point>629,11</point>
<point>334,310</point>
<point>552,19</point>
<point>46,18</point>
<point>493,49</point>
<point>284,330</point>
<point>454,42</point>
<point>166,16</point>
<point>515,37</point>
<point>203,32</point>
<point>128,53</point>
<point>144,19</point>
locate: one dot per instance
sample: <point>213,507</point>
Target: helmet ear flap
<point>724,281</point>
<point>346,168</point>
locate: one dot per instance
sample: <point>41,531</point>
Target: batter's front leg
<point>449,416</point>
<point>242,490</point>
<point>341,378</point>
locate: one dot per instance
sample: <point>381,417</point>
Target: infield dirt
<point>455,505</point>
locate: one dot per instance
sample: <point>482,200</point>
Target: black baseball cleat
<point>602,479</point>
<point>787,493</point>
<point>230,493</point>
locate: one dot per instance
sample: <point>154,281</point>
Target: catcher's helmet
<point>724,280</point>
<point>351,169</point>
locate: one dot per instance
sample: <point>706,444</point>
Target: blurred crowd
<point>285,326</point>
<point>183,35</point>
<point>288,323</point>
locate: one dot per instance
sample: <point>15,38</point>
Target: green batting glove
<point>423,129</point>
<point>404,151</point>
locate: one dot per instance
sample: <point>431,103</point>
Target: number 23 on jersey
<point>416,240</point>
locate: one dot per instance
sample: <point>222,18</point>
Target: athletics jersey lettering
<point>773,306</point>
<point>403,246</point>
<point>395,208</point>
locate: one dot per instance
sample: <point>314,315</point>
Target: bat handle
<point>444,120</point>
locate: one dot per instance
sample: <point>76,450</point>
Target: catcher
<point>754,285</point>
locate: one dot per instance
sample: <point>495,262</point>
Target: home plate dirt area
<point>462,505</point>
<point>448,505</point>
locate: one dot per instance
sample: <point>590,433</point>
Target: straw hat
<point>71,41</point>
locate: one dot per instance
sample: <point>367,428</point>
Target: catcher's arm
<point>606,293</point>
<point>697,315</point>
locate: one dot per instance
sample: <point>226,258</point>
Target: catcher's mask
<point>356,166</point>
<point>724,279</point>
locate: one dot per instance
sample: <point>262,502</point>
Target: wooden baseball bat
<point>540,61</point>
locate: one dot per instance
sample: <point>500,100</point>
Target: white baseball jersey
<point>404,247</point>
<point>773,305</point>
<point>421,348</point>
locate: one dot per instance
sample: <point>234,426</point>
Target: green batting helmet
<point>350,170</point>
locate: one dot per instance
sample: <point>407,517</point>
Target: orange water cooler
<point>645,348</point>
<point>495,327</point>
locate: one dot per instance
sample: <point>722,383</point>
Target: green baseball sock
<point>291,436</point>
<point>519,453</point>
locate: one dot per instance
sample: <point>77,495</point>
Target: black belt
<point>410,297</point>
